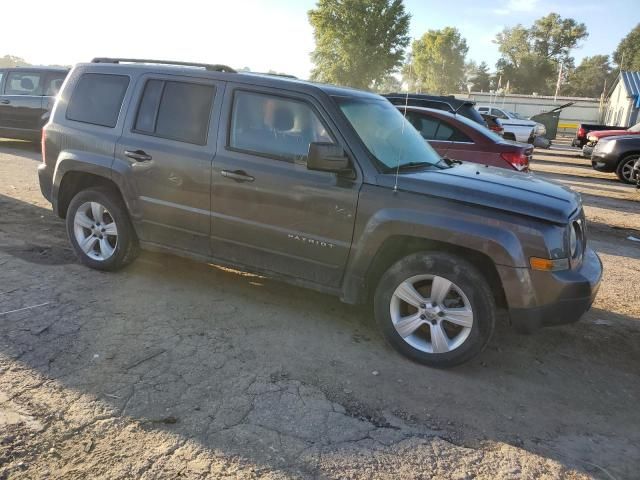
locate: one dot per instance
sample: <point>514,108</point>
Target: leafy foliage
<point>481,78</point>
<point>589,78</point>
<point>12,61</point>
<point>627,55</point>
<point>437,63</point>
<point>358,42</point>
<point>531,56</point>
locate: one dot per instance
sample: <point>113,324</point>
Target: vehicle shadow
<point>182,347</point>
<point>23,148</point>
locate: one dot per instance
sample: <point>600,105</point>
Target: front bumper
<point>45,177</point>
<point>604,162</point>
<point>553,298</point>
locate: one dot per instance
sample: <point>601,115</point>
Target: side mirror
<point>327,157</point>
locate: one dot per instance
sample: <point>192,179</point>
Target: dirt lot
<point>173,368</point>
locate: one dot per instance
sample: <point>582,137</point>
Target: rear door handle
<point>237,175</point>
<point>5,102</point>
<point>138,155</point>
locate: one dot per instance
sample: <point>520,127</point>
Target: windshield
<point>518,116</point>
<point>389,137</point>
<point>635,128</point>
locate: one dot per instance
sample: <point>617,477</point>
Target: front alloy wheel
<point>625,169</point>
<point>435,308</point>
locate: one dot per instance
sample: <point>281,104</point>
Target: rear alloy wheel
<point>435,308</point>
<point>95,231</point>
<point>625,169</point>
<point>100,230</point>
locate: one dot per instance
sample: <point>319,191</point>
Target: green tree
<point>627,55</point>
<point>481,78</point>
<point>530,57</point>
<point>388,84</point>
<point>358,42</point>
<point>12,61</point>
<point>588,79</point>
<point>437,62</point>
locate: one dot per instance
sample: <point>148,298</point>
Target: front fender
<point>468,227</point>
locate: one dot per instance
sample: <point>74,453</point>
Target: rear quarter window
<point>97,99</point>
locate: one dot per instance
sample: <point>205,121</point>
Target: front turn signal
<point>547,265</point>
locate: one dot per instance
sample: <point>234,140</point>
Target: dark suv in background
<point>27,95</point>
<point>448,103</point>
<point>325,187</point>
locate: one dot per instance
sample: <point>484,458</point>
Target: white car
<point>523,129</point>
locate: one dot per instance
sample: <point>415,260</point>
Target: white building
<point>623,103</point>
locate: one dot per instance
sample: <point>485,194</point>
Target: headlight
<point>576,236</point>
<point>541,130</point>
<point>573,240</point>
<point>592,139</point>
<point>605,146</point>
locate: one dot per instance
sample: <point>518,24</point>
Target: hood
<point>610,133</point>
<point>497,188</point>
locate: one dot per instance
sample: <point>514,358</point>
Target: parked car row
<point>27,95</point>
<point>324,187</point>
<point>523,129</point>
<point>611,150</point>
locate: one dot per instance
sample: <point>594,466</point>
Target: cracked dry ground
<point>177,369</point>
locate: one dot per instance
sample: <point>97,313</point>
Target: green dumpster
<point>550,120</point>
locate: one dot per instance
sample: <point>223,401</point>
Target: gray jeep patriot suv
<point>325,187</point>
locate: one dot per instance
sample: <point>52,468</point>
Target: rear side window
<point>23,83</point>
<point>448,132</point>
<point>175,110</point>
<point>427,126</point>
<point>97,99</point>
<point>53,83</point>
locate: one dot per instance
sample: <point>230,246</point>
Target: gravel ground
<point>173,368</point>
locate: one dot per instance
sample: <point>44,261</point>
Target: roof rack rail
<point>206,66</point>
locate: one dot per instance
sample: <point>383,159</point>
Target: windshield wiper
<point>450,161</point>
<point>412,165</point>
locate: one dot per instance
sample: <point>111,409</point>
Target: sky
<point>269,35</point>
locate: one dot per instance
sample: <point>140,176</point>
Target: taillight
<point>43,142</point>
<point>581,132</point>
<point>496,129</point>
<point>518,160</point>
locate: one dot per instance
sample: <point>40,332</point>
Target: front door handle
<point>138,155</point>
<point>5,102</point>
<point>237,175</point>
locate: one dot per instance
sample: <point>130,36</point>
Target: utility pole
<point>555,97</point>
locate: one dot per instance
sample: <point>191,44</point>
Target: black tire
<point>626,166</point>
<point>126,247</point>
<point>466,277</point>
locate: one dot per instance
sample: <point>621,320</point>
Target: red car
<point>593,137</point>
<point>459,138</point>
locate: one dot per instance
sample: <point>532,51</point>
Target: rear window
<point>97,99</point>
<point>175,110</point>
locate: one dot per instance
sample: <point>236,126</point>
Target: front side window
<point>23,83</point>
<point>498,113</point>
<point>276,127</point>
<point>97,99</point>
<point>388,136</point>
<point>175,110</point>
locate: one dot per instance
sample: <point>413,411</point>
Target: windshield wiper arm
<point>450,161</point>
<point>409,165</point>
